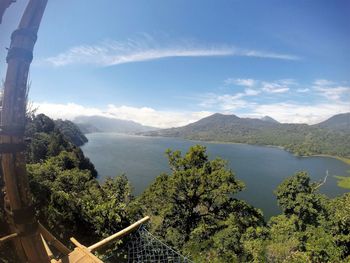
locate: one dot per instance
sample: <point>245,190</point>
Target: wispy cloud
<point>240,82</point>
<point>331,89</point>
<point>278,86</point>
<point>144,115</point>
<point>146,48</point>
<point>333,93</point>
<point>323,82</point>
<point>228,101</point>
<point>303,90</point>
<point>224,102</point>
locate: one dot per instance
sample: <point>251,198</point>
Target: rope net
<point>146,248</point>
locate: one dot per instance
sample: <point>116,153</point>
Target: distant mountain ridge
<point>301,139</point>
<point>89,124</point>
<point>339,122</point>
<point>269,119</point>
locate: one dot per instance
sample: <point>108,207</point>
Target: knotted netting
<point>144,247</point>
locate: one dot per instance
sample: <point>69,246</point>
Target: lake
<point>261,168</point>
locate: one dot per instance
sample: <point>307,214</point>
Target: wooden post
<point>18,196</point>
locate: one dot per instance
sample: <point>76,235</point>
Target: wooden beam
<point>47,248</point>
<point>120,234</point>
<point>53,240</point>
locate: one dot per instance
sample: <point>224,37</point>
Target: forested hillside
<point>67,197</point>
<point>194,208</point>
<point>301,139</point>
<point>71,131</point>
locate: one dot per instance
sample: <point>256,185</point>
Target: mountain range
<point>329,137</point>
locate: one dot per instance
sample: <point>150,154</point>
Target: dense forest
<point>193,208</point>
<point>331,137</point>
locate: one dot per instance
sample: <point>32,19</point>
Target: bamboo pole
<point>18,194</point>
<point>8,237</point>
<point>117,235</point>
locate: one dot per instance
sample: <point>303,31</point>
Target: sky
<point>167,63</point>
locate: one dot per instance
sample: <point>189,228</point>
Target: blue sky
<point>167,63</point>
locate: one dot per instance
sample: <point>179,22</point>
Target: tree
<point>195,207</point>
<point>297,196</point>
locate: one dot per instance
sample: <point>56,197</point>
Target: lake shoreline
<point>261,167</point>
<point>343,159</point>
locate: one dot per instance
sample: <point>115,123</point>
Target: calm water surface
<point>261,168</point>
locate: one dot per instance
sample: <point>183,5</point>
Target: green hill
<point>301,139</point>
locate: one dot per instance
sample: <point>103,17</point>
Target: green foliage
<point>67,197</point>
<point>195,208</point>
<point>321,246</point>
<point>339,222</point>
<point>71,202</point>
<point>296,196</point>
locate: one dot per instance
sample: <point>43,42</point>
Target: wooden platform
<point>79,255</point>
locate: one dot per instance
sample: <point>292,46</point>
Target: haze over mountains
<point>89,124</point>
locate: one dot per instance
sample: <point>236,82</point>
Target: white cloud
<point>110,53</point>
<point>299,113</point>
<point>144,115</point>
<point>240,82</point>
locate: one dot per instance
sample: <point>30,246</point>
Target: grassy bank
<point>343,181</point>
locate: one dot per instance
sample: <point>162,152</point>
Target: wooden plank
<point>53,240</point>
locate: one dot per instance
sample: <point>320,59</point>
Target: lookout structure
<point>32,241</point>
